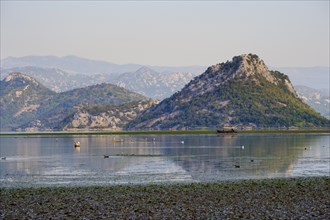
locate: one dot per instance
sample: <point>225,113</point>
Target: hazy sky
<point>169,33</point>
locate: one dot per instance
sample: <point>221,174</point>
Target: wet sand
<point>297,198</point>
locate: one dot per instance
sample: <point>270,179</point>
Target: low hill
<point>27,104</point>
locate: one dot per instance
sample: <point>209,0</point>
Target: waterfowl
<point>106,156</point>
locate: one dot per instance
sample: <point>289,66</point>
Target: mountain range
<point>62,74</point>
<point>240,93</point>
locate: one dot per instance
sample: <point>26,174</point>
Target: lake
<point>138,159</point>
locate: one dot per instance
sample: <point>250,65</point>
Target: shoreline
<point>281,198</point>
<point>189,132</point>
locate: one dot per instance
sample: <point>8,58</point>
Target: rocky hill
<point>242,93</point>
<point>22,98</point>
<point>318,100</point>
<point>27,104</point>
<point>106,117</point>
<point>153,84</point>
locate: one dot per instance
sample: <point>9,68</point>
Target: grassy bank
<point>306,198</point>
<point>191,132</point>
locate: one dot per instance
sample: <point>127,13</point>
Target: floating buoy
<point>242,146</point>
<point>252,160</point>
<point>182,142</point>
<point>77,144</point>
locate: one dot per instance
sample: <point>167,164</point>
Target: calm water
<point>44,161</point>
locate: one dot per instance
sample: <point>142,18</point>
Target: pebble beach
<point>295,198</point>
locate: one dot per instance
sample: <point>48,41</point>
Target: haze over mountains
<point>74,64</point>
<point>92,71</point>
<point>241,92</point>
<point>65,73</point>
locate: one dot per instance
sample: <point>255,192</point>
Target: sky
<point>169,33</point>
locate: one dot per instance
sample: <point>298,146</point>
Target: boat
<point>77,144</point>
<point>226,131</point>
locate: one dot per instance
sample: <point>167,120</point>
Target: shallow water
<point>53,160</point>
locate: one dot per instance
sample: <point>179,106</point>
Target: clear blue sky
<point>284,33</point>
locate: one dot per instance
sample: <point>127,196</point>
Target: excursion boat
<point>226,131</point>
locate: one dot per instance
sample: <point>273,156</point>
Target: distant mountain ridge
<point>239,93</point>
<point>318,100</point>
<point>153,84</point>
<point>26,103</point>
<point>313,77</point>
<point>65,73</point>
<point>74,64</point>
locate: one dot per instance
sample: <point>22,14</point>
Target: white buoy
<point>242,146</point>
<point>77,144</point>
<point>182,142</point>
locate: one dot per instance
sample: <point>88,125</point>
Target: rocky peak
<point>241,93</point>
<point>242,67</point>
<point>20,79</point>
<point>145,70</point>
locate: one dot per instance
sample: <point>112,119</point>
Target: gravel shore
<point>298,198</point>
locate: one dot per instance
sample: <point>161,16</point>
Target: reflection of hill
<point>214,155</point>
<point>271,155</point>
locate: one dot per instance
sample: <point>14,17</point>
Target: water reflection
<point>160,158</point>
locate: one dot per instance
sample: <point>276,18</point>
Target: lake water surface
<point>139,159</point>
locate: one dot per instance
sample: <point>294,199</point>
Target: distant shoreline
<point>188,132</point>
